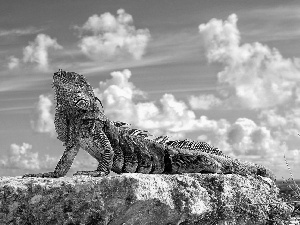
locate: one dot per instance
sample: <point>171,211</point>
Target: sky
<point>223,72</point>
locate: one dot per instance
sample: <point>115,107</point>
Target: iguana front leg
<point>98,146</point>
<point>62,166</point>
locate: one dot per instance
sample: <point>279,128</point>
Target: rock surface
<point>141,199</point>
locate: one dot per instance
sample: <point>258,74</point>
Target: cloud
<point>248,138</point>
<point>204,102</point>
<point>21,157</point>
<point>45,116</point>
<point>170,115</point>
<point>272,119</point>
<point>19,32</point>
<point>124,102</point>
<point>285,124</point>
<point>235,134</point>
<point>251,141</point>
<point>119,97</point>
<point>118,94</point>
<point>37,51</point>
<point>110,36</point>
<point>259,76</point>
<point>13,62</point>
<point>244,138</point>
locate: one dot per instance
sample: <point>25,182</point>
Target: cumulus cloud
<point>13,62</point>
<point>248,138</point>
<point>251,141</point>
<point>271,118</point>
<point>37,51</point>
<point>118,95</point>
<point>45,116</point>
<point>204,102</point>
<point>285,124</point>
<point>170,115</point>
<point>109,36</point>
<point>22,157</point>
<point>245,139</point>
<point>125,102</point>
<point>260,76</point>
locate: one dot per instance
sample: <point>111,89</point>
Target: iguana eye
<point>82,104</point>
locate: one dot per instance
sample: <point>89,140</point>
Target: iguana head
<point>75,99</point>
<point>72,91</point>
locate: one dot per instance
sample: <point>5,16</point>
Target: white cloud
<point>285,124</point>
<point>19,32</point>
<point>272,119</point>
<point>204,102</point>
<point>118,94</point>
<point>109,36</point>
<point>45,112</point>
<point>13,62</point>
<point>171,115</point>
<point>37,51</point>
<point>260,76</point>
<point>22,157</point>
<point>168,116</point>
<point>248,138</point>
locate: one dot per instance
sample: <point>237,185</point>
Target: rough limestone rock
<point>141,199</point>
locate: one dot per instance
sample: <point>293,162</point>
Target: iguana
<point>81,123</point>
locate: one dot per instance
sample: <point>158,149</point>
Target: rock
<point>141,199</point>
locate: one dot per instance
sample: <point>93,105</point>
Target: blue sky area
<point>224,72</point>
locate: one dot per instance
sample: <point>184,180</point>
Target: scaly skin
<point>80,123</point>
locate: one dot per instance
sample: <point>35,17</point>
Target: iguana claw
<point>90,173</point>
<point>48,174</point>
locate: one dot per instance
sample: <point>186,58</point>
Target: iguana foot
<point>49,174</point>
<point>95,173</point>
